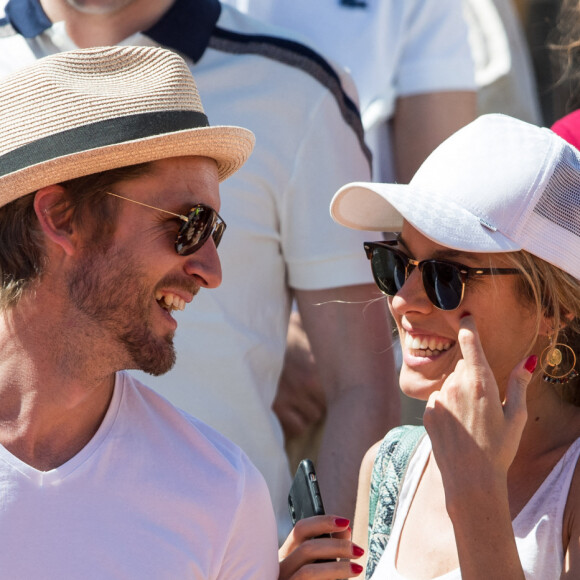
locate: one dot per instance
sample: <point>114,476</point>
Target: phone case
<point>304,499</point>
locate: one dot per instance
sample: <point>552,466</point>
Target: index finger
<point>470,343</point>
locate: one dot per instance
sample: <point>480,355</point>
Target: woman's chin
<point>417,386</point>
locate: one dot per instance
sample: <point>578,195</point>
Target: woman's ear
<point>547,324</point>
<point>55,217</point>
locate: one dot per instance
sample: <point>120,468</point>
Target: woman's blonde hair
<point>554,294</point>
<point>564,43</point>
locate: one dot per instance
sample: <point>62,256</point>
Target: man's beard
<point>111,290</point>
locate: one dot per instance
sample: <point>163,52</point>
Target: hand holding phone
<point>305,501</point>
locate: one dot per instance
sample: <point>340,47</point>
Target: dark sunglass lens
<point>399,270</point>
<point>195,231</point>
<point>388,270</point>
<point>218,232</point>
<point>442,284</point>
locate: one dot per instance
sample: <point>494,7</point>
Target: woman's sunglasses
<point>444,281</point>
<point>200,223</point>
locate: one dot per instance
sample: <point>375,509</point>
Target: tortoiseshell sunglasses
<point>198,225</point>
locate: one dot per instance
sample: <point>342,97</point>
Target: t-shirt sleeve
<point>318,252</point>
<point>252,547</point>
<point>436,55</point>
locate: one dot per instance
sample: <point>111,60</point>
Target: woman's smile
<point>418,345</point>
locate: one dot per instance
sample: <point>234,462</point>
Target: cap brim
<point>384,206</point>
<point>229,146</point>
<point>365,206</point>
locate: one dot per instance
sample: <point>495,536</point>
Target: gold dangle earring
<point>558,361</point>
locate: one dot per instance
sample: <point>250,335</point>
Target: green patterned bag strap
<point>388,471</point>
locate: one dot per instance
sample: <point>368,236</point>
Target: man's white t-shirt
<point>154,494</point>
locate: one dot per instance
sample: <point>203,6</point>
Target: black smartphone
<point>304,499</point>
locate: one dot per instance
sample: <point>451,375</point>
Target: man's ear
<point>55,217</point>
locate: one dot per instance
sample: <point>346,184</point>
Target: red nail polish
<point>341,522</point>
<point>356,568</point>
<point>357,551</point>
<point>531,364</point>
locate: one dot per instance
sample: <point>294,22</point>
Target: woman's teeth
<point>426,346</point>
<point>170,302</point>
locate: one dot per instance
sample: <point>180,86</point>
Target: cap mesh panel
<point>560,201</point>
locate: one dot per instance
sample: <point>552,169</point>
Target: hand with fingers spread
<point>473,431</point>
<point>307,556</point>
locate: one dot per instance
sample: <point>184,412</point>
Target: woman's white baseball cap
<point>497,185</point>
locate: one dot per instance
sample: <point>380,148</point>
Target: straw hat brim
<point>229,146</point>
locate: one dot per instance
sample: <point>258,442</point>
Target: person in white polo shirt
<point>412,66</point>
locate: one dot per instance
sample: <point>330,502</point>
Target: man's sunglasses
<point>198,225</point>
<point>444,281</point>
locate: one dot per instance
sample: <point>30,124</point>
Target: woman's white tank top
<point>537,528</point>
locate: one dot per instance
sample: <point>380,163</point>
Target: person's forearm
<point>355,411</point>
<point>422,122</point>
<point>351,339</point>
<point>484,534</point>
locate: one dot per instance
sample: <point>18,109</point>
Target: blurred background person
<point>503,66</point>
<point>412,67</point>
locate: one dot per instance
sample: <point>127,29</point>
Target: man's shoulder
<point>240,34</point>
<point>168,429</point>
<point>292,71</point>
<point>250,59</point>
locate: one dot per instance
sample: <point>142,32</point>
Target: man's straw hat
<point>86,111</point>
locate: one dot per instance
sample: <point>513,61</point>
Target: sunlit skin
<point>140,318</point>
<point>104,22</point>
<point>506,327</point>
<point>115,299</point>
<point>98,6</point>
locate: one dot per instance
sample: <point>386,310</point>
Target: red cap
<point>568,128</point>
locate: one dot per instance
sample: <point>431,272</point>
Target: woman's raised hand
<point>303,550</point>
<point>474,434</point>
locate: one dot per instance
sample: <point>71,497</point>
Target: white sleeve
<point>318,252</point>
<point>251,551</point>
<point>436,53</point>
